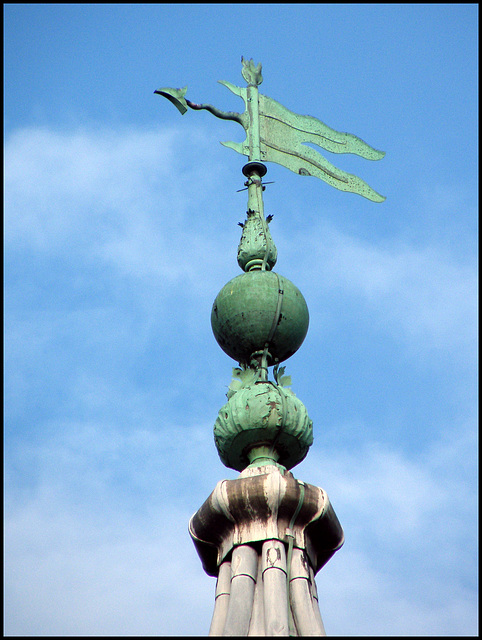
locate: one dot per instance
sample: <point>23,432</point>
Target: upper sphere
<point>251,307</point>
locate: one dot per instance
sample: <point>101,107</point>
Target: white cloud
<point>99,545</point>
<point>59,184</point>
<point>119,200</point>
<point>410,556</point>
<point>71,572</point>
<point>420,294</point>
<point>113,259</point>
<point>360,597</point>
<point>97,539</point>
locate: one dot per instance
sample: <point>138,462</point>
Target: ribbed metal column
<point>276,621</point>
<point>244,571</point>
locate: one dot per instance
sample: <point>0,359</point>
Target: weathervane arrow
<point>276,134</point>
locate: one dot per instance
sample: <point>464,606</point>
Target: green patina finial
<point>260,318</point>
<point>258,310</point>
<point>256,248</point>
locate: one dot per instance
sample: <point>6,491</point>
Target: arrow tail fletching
<point>238,91</point>
<point>176,96</point>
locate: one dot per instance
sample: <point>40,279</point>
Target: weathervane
<point>265,534</point>
<point>276,134</point>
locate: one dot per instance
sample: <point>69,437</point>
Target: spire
<point>265,535</point>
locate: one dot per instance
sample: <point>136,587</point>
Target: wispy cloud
<point>96,531</point>
<point>100,546</point>
<point>410,539</point>
<point>113,383</point>
<point>423,293</point>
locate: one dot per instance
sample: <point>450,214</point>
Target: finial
<point>250,73</point>
<point>265,420</point>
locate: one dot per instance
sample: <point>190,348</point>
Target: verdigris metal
<point>259,308</point>
<point>276,134</point>
<point>267,414</point>
<point>256,246</point>
<point>265,535</point>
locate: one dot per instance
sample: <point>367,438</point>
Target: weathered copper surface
<point>265,535</point>
<point>276,134</point>
<point>259,506</point>
<point>263,414</point>
<point>256,246</point>
<point>257,307</point>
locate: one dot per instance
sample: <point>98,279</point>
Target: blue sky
<point>121,228</point>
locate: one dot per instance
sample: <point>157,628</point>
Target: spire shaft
<point>253,132</point>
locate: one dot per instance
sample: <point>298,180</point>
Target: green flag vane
<point>276,134</point>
